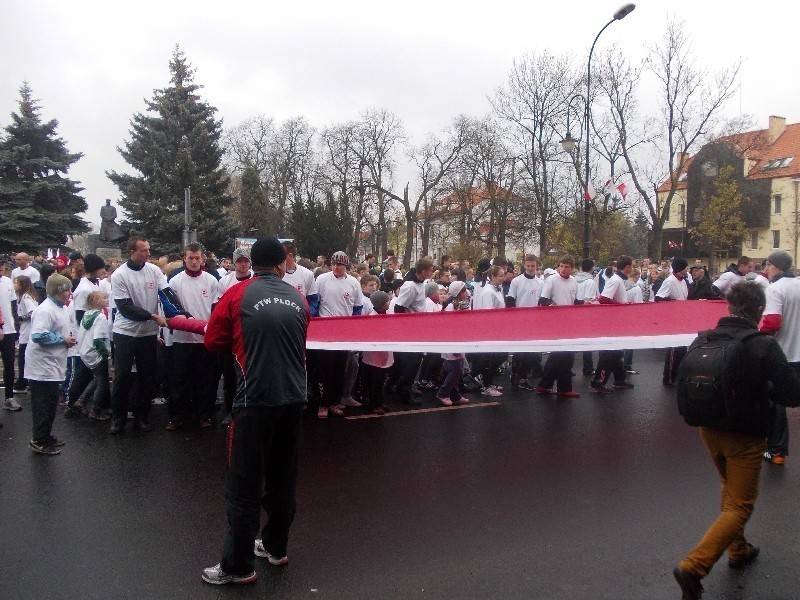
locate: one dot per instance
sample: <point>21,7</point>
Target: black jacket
<point>770,377</point>
<point>702,290</point>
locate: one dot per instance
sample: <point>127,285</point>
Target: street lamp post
<point>568,143</point>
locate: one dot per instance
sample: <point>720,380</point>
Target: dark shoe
<point>55,442</point>
<point>174,425</point>
<point>752,552</point>
<point>600,389</point>
<point>118,426</point>
<point>524,384</point>
<point>412,401</point>
<point>206,423</point>
<point>142,425</point>
<point>623,385</point>
<point>690,584</point>
<point>99,416</point>
<point>72,413</point>
<point>43,447</point>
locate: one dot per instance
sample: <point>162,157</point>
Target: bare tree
<point>535,100</point>
<point>248,144</point>
<point>690,99</point>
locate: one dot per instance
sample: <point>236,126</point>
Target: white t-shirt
<point>368,308</point>
<point>525,291</point>
<point>47,363</point>
<point>25,307</point>
<point>85,287</point>
<point>783,298</point>
<point>196,295</point>
<point>105,286</point>
<point>727,280</point>
<point>30,272</point>
<point>431,306</point>
<point>7,296</point>
<point>673,289</point>
<point>588,290</point>
<point>412,296</point>
<point>562,291</point>
<point>338,296</point>
<point>99,330</point>
<point>227,282</point>
<point>614,289</point>
<point>301,279</point>
<point>489,297</point>
<point>142,288</point>
<point>635,294</point>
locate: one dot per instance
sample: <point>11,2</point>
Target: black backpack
<point>708,376</point>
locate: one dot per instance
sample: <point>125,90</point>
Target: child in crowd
<point>449,393</point>
<point>94,346</point>
<point>374,364</point>
<point>431,362</point>
<point>27,301</point>
<point>46,358</point>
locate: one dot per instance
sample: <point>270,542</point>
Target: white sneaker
<point>445,401</point>
<point>259,550</point>
<point>349,402</point>
<point>12,404</point>
<point>490,391</point>
<point>216,576</point>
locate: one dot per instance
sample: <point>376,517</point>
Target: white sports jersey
<point>142,288</point>
<point>411,295</point>
<point>47,363</point>
<point>30,272</point>
<point>614,289</point>
<point>726,281</point>
<point>7,296</point>
<point>338,297</point>
<point>196,295</point>
<point>227,282</point>
<point>301,279</point>
<point>25,307</point>
<point>525,291</point>
<point>562,291</point>
<point>783,298</point>
<point>85,287</point>
<point>673,289</point>
<point>489,297</point>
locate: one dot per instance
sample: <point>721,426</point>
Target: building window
<point>777,203</point>
<point>753,240</point>
<point>776,238</point>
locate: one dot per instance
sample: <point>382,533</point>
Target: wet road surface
<point>521,497</point>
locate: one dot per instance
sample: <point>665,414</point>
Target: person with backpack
<point>781,319</point>
<point>730,405</point>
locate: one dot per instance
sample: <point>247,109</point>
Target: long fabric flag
<point>537,329</point>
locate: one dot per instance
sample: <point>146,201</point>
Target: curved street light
<point>568,143</point>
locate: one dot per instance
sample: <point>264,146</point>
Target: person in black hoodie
<point>736,446</point>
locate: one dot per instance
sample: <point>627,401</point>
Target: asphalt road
<point>516,497</point>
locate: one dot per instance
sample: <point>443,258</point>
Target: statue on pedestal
<point>109,230</point>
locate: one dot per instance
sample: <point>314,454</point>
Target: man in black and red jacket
<point>263,321</point>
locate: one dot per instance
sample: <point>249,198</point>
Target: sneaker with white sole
<point>444,401</point>
<point>490,391</point>
<point>259,550</point>
<point>11,404</point>
<point>216,576</point>
<point>42,447</point>
<point>350,402</point>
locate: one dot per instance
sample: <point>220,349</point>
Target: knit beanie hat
<point>781,259</point>
<point>679,264</point>
<point>56,284</point>
<point>340,258</point>
<point>92,263</point>
<point>267,252</point>
<point>378,299</point>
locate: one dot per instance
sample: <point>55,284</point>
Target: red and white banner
<point>542,328</point>
<point>538,329</point>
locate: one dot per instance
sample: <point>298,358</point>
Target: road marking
<point>418,411</point>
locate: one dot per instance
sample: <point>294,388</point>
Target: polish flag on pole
<point>617,191</point>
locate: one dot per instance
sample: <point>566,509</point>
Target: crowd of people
<point>62,326</point>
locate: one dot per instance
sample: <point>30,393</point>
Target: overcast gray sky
<point>92,64</point>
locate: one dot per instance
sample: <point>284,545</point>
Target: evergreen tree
<point>319,227</point>
<point>176,145</point>
<point>40,204</point>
